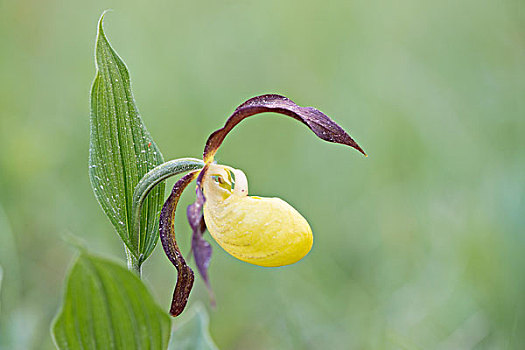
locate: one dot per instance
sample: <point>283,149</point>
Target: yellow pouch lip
<point>258,230</point>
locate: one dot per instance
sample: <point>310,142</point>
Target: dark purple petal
<point>185,275</point>
<point>319,123</point>
<point>201,249</point>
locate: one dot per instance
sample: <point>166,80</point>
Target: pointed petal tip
<point>213,303</point>
<point>361,151</point>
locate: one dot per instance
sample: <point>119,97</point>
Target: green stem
<point>133,263</point>
<point>143,188</point>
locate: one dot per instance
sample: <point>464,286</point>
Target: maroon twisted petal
<point>324,127</point>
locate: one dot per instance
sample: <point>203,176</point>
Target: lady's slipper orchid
<point>260,231</point>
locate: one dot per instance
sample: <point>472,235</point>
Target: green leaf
<point>193,334</point>
<point>108,307</point>
<point>121,152</point>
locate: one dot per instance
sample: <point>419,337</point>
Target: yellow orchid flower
<point>260,231</point>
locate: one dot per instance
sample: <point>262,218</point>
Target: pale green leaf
<point>193,333</point>
<point>121,151</point>
<point>108,307</point>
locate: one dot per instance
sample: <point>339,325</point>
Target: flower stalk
<point>133,262</point>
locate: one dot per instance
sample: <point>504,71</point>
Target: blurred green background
<point>419,246</point>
